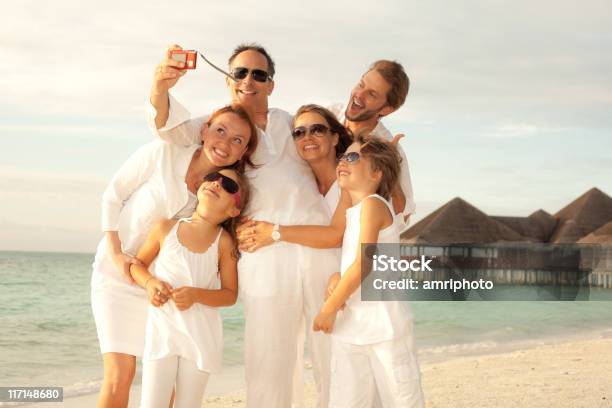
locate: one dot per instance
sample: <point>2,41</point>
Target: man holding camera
<point>276,287</point>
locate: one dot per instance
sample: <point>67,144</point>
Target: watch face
<point>275,235</point>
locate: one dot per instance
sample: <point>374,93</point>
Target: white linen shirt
<point>382,132</point>
<point>283,187</point>
<point>149,186</point>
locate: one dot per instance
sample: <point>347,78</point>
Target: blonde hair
<point>385,157</point>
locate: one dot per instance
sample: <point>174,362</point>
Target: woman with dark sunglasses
<point>159,181</point>
<point>320,139</point>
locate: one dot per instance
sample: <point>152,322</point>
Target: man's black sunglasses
<point>258,75</point>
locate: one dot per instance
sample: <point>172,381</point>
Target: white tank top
<point>368,322</point>
<point>196,333</point>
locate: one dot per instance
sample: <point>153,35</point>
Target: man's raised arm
<point>166,117</point>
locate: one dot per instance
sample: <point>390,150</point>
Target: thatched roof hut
<point>588,219</point>
<point>602,235</point>
<point>459,222</point>
<point>582,216</point>
<point>539,226</point>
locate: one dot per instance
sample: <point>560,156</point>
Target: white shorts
<point>388,368</point>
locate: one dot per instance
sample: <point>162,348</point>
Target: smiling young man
<point>381,91</point>
<point>280,285</point>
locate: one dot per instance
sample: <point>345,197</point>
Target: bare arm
<point>374,216</point>
<point>158,291</point>
<point>121,260</point>
<point>320,236</point>
<point>398,199</point>
<point>167,74</point>
<point>166,117</point>
<point>186,296</point>
<point>253,235</point>
<point>405,185</point>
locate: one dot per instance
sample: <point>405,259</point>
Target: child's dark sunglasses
<point>229,185</point>
<point>351,157</point>
<point>258,75</point>
<point>317,130</point>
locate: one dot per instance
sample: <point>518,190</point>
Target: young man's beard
<point>362,117</point>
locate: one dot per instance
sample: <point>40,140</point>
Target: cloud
<point>513,130</point>
<point>491,84</point>
<point>92,131</point>
<point>469,58</point>
<point>45,200</point>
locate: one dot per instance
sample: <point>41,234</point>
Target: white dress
<point>196,333</point>
<point>149,186</point>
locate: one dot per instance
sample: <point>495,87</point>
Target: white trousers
<point>319,348</point>
<point>388,371</point>
<point>160,377</point>
<point>281,290</point>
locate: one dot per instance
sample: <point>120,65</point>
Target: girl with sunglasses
<point>372,341</point>
<point>159,181</point>
<point>195,274</point>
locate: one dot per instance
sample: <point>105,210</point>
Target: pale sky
<point>509,107</point>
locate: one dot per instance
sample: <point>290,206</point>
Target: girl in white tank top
<point>195,274</point>
<point>372,342</point>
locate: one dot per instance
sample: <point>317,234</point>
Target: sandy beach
<point>574,374</point>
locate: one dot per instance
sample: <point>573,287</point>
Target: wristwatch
<point>276,233</point>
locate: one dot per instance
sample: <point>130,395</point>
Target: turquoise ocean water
<point>48,337</point>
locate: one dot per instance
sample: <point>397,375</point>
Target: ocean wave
<point>74,390</point>
<point>82,388</point>
<point>460,348</point>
